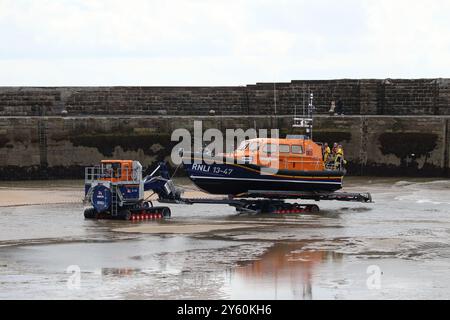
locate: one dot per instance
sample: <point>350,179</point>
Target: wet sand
<point>10,197</point>
<point>207,251</point>
<point>26,193</point>
<point>185,228</point>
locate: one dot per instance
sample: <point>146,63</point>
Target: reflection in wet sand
<point>405,233</point>
<point>120,271</point>
<point>284,271</point>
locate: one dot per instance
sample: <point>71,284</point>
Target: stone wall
<point>361,97</point>
<point>60,147</point>
<point>392,126</point>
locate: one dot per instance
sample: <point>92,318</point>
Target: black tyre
<point>90,213</point>
<point>125,214</point>
<point>314,208</point>
<point>166,212</point>
<point>269,209</point>
<point>147,204</point>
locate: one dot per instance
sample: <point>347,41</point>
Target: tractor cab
<point>115,171</point>
<point>118,170</point>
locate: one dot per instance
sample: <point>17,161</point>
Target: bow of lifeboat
<point>264,165</point>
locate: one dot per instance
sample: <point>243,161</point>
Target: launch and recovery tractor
<point>115,190</point>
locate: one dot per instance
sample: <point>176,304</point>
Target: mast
<point>306,121</point>
<point>309,128</point>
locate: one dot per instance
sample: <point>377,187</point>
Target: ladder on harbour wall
<point>42,138</point>
<point>42,135</point>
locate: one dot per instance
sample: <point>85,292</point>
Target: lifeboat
<point>293,164</point>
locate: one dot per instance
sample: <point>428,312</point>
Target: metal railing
<point>334,165</point>
<point>125,175</point>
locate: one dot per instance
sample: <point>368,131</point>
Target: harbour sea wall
<point>390,127</point>
<point>363,97</point>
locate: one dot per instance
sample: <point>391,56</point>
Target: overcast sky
<point>140,42</point>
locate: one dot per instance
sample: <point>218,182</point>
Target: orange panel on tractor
<point>118,170</point>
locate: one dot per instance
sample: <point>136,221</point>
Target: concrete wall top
<point>360,96</point>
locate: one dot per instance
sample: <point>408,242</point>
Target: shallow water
<point>336,254</point>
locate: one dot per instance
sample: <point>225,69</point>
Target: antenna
<point>309,129</point>
<point>295,102</point>
<point>275,97</point>
<point>306,121</point>
<point>304,99</point>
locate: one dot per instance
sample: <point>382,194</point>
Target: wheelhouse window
<point>284,148</point>
<point>270,148</point>
<point>297,149</point>
<point>253,146</point>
